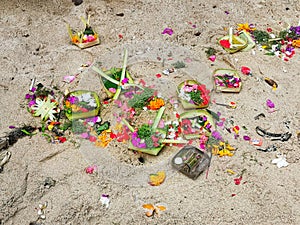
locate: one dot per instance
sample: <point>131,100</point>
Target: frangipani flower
<point>45,108</point>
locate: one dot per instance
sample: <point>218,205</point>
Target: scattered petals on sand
<point>153,209</point>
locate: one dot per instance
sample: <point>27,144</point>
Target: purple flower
<point>11,127</point>
<point>247,138</point>
<point>136,141</point>
<point>270,104</point>
<point>289,49</point>
<point>93,120</point>
<point>128,94</point>
<point>217,135</point>
<point>73,99</point>
<point>296,30</point>
<point>28,96</point>
<point>168,31</point>
<point>33,89</point>
<point>125,80</point>
<point>31,103</point>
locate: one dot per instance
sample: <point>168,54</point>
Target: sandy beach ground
<point>35,44</point>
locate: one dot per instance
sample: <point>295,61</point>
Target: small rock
<point>77,2</point>
<point>49,182</point>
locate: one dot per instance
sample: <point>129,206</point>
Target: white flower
<point>280,161</point>
<point>45,109</point>
<point>182,94</point>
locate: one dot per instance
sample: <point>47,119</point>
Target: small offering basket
<point>81,104</point>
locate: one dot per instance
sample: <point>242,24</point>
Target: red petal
<point>246,70</point>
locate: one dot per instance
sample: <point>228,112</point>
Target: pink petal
<point>212,58</point>
<point>69,79</point>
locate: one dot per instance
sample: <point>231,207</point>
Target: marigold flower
<point>156,103</point>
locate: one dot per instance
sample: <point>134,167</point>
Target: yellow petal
<point>148,206</point>
<point>230,171</point>
<point>158,178</point>
<point>161,208</point>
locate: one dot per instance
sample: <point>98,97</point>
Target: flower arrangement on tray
<point>193,94</point>
<point>280,41</point>
<point>151,138</point>
<point>81,104</point>
<point>148,138</point>
<point>86,38</point>
<point>227,80</point>
<point>195,123</point>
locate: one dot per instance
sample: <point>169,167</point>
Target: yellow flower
<point>296,43</point>
<point>245,27</point>
<point>103,139</point>
<point>75,108</point>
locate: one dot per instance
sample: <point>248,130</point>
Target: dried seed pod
<point>271,82</point>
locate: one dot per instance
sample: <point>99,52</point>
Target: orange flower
<point>68,104</point>
<point>296,43</point>
<point>156,103</point>
<point>103,139</point>
<point>75,39</point>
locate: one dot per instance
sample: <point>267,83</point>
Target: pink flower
<point>90,169</point>
<point>237,181</point>
<point>212,58</point>
<point>125,80</point>
<point>112,90</point>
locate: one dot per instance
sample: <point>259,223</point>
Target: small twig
<point>51,156</point>
<point>228,62</point>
